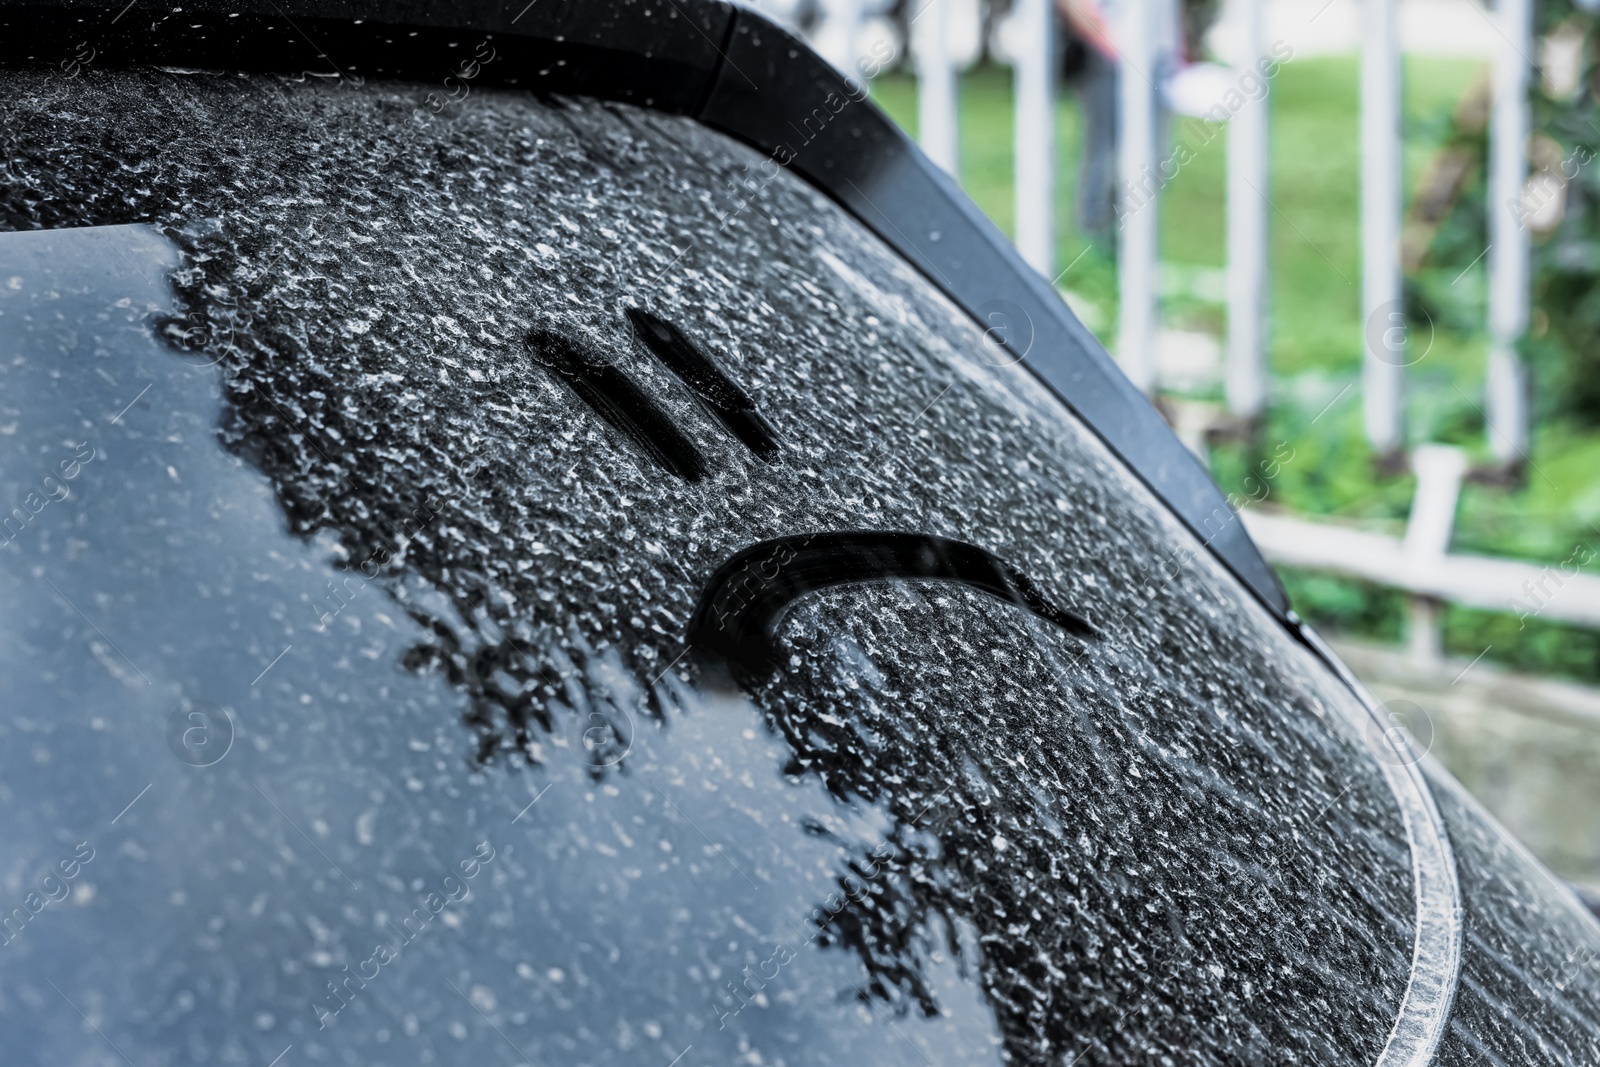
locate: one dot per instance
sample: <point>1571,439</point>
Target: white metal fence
<point>1145,34</point>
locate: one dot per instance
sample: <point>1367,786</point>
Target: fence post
<point>1035,149</point>
<point>1506,399</point>
<point>1138,198</point>
<point>839,35</point>
<point>936,86</point>
<point>1383,317</point>
<point>1439,469</point>
<point>1246,380</point>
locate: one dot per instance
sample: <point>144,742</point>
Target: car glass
<point>538,583</point>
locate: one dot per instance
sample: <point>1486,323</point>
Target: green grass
<point>1315,192</point>
<point>1315,340</point>
<point>1532,645</point>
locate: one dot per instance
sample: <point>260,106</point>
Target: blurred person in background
<point>1089,61</point>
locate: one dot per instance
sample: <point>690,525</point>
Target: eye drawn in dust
<point>620,402</point>
<point>623,404</point>
<point>717,393</point>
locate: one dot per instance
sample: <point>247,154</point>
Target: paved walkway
<point>1528,748</point>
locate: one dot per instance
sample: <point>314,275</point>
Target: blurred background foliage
<point>1316,326</point>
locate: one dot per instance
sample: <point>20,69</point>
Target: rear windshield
<point>529,581</point>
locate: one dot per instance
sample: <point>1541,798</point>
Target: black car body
<point>557,537</point>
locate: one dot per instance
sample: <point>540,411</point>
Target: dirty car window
<point>366,477</point>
